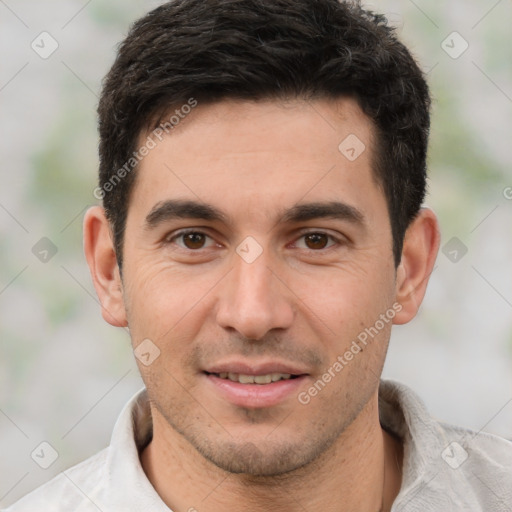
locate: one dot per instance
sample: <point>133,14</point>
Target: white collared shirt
<point>445,468</point>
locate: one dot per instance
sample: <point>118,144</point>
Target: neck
<point>360,471</point>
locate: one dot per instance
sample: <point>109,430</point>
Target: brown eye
<point>316,240</point>
<point>193,240</point>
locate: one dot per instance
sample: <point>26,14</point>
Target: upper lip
<point>263,368</point>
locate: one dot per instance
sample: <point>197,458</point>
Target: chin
<point>262,458</point>
<point>250,460</point>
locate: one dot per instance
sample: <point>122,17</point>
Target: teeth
<point>254,379</point>
<point>263,379</point>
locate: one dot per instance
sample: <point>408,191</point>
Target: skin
<point>299,303</point>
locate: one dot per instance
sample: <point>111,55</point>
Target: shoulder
<point>73,489</point>
<point>445,467</point>
<point>113,479</point>
<point>478,455</point>
<point>473,469</point>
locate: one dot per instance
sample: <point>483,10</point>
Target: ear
<point>102,261</point>
<point>419,253</point>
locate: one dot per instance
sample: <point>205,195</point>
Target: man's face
<point>267,288</point>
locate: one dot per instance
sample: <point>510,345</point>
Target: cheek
<point>163,301</point>
<point>346,299</point>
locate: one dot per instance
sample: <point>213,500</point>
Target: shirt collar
<point>132,432</point>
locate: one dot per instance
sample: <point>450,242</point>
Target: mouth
<point>266,378</point>
<point>258,386</point>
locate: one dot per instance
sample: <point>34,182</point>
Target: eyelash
<point>171,240</point>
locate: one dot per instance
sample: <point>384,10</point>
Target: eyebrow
<point>318,210</point>
<point>181,209</point>
<point>171,209</point>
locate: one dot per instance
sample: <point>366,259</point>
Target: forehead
<point>256,157</point>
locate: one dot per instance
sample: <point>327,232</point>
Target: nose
<point>254,300</point>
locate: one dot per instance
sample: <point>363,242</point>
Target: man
<point>262,171</point>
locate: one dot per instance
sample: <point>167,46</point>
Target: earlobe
<point>419,253</point>
<point>101,258</point>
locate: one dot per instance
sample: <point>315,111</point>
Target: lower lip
<point>256,395</point>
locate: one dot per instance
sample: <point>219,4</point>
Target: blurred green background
<point>65,373</point>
